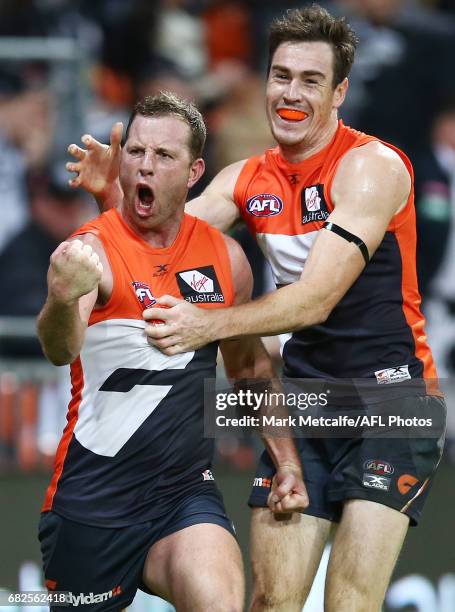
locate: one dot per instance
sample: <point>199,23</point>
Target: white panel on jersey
<point>286,254</point>
<point>108,419</point>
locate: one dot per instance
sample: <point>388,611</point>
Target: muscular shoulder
<point>373,154</point>
<point>372,171</point>
<point>241,271</point>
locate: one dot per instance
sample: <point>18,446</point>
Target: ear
<point>197,169</point>
<point>340,93</point>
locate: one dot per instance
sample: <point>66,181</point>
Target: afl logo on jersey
<point>144,294</point>
<point>264,205</point>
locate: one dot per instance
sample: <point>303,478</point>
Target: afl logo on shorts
<point>264,205</point>
<point>378,466</point>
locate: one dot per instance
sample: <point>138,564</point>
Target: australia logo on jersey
<point>200,285</point>
<point>314,206</point>
<point>144,294</point>
<point>264,205</point>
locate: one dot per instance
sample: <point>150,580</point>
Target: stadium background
<point>73,66</point>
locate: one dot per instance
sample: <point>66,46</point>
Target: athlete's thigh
<point>364,552</point>
<point>198,569</point>
<point>285,555</point>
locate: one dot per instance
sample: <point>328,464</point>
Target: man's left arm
<point>371,185</point>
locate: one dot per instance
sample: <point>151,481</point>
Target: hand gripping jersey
<point>134,442</point>
<point>377,329</point>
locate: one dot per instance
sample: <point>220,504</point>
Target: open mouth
<point>146,198</point>
<point>291,114</point>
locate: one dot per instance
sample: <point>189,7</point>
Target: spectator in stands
<point>55,211</point>
<point>24,143</point>
<point>435,199</point>
<point>403,71</point>
<point>435,205</point>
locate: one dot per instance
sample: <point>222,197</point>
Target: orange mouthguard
<point>292,115</point>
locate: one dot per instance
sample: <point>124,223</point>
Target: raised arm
<point>371,185</point>
<point>79,276</point>
<point>216,203</point>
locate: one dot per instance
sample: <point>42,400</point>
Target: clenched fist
<point>75,270</point>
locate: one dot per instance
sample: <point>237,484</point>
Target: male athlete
<point>132,502</point>
<point>332,209</point>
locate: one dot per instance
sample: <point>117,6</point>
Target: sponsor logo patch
<point>294,178</point>
<point>160,269</point>
<point>378,466</point>
<point>207,475</point>
<point>264,205</point>
<point>262,482</point>
<point>314,206</point>
<point>200,285</point>
<point>83,599</point>
<point>405,483</point>
<point>376,482</point>
<point>392,375</point>
<point>143,294</point>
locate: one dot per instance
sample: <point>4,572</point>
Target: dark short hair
<point>167,103</point>
<point>315,24</point>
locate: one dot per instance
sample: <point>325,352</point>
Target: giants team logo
<point>314,207</point>
<point>143,294</point>
<point>264,205</point>
<point>200,285</point>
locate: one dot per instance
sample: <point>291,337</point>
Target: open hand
<point>97,167</point>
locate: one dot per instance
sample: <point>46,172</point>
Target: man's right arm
<point>216,203</point>
<point>97,169</point>
<point>74,277</point>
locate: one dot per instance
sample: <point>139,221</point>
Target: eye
<point>165,155</point>
<point>134,151</point>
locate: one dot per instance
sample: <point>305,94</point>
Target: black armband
<point>336,229</point>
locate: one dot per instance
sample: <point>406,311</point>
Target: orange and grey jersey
<point>377,330</point>
<point>134,442</point>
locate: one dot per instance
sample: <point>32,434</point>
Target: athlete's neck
<point>303,150</point>
<point>160,237</point>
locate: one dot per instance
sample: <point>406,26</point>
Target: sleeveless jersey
<point>376,330</point>
<point>134,442</point>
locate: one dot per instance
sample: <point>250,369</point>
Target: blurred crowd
<point>69,67</point>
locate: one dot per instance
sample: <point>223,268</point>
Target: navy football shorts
<point>395,472</point>
<point>102,567</point>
